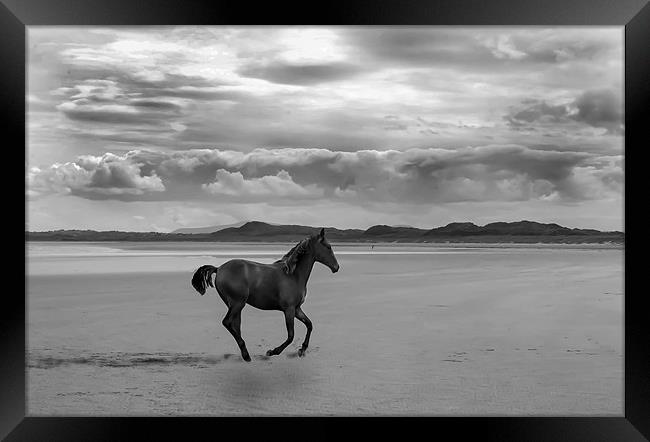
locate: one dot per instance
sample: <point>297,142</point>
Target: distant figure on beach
<point>373,247</point>
<point>278,286</point>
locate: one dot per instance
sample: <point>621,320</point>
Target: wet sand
<point>118,330</point>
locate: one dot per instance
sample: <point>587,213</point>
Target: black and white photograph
<point>324,220</point>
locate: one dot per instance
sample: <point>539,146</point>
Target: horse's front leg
<point>289,314</point>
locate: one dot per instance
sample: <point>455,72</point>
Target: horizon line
<point>317,227</point>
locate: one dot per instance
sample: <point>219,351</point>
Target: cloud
<point>562,46</point>
<point>539,111</point>
<point>106,177</point>
<point>300,74</point>
<point>280,185</point>
<point>482,48</point>
<point>418,46</point>
<point>600,108</point>
<point>104,101</point>
<point>187,87</point>
<point>282,176</point>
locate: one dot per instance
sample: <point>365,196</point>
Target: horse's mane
<point>291,258</point>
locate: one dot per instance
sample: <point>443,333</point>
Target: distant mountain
<point>455,229</point>
<point>519,228</point>
<point>257,231</point>
<point>392,232</point>
<point>208,229</point>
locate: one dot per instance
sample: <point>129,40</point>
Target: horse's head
<point>323,252</point>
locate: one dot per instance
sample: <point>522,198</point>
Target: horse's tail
<point>203,278</point>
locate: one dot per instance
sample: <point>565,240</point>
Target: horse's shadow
<point>263,379</point>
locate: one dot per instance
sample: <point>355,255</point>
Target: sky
<point>160,128</point>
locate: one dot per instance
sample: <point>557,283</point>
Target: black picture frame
<point>634,15</point>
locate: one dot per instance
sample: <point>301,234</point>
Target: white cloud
<point>423,176</point>
<point>109,175</point>
<point>280,185</point>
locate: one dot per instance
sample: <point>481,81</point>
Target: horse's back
<point>245,269</point>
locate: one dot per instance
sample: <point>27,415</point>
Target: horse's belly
<point>263,300</point>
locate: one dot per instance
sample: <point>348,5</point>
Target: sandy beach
<point>116,329</point>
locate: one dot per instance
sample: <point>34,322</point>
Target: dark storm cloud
<point>99,116</point>
<point>553,46</point>
<point>482,48</point>
<point>133,78</point>
<point>156,105</point>
<point>600,108</point>
<point>165,85</point>
<point>549,165</point>
<point>191,87</point>
<point>425,176</point>
<point>537,112</point>
<point>201,94</point>
<point>109,101</point>
<point>300,74</point>
<point>596,108</point>
<point>128,113</point>
<point>419,46</point>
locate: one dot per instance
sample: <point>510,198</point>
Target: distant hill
<point>208,229</point>
<point>519,228</point>
<point>257,231</point>
<point>388,233</point>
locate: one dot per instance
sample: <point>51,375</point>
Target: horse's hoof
<point>270,353</point>
<point>246,357</point>
<point>301,352</point>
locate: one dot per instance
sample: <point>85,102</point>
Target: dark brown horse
<point>278,286</point>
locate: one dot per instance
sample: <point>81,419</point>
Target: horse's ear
<point>322,233</point>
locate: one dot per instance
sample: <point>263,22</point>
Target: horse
<point>281,285</point>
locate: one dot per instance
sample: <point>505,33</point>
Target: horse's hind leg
<point>232,322</point>
<point>288,319</point>
<point>237,326</point>
<point>302,317</point>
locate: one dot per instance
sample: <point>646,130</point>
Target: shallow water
<point>116,329</point>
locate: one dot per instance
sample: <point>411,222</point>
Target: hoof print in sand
<point>458,356</point>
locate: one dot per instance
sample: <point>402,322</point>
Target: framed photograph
<point>237,213</point>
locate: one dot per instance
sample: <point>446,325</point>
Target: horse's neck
<point>303,268</point>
